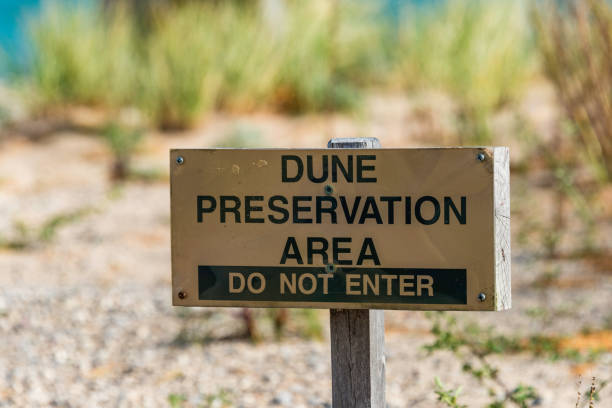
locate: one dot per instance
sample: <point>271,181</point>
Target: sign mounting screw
<point>180,160</point>
<point>182,294</point>
<point>482,297</point>
<point>329,268</point>
<point>481,157</point>
<point>328,189</point>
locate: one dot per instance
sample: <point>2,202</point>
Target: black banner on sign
<point>339,284</point>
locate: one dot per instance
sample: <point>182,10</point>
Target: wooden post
<point>357,339</point>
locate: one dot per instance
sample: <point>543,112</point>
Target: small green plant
<point>580,200</point>
<point>26,236</point>
<point>582,204</point>
<point>51,226</point>
<point>523,396</point>
<point>473,345</point>
<point>447,396</point>
<point>575,197</point>
<point>122,142</point>
<point>220,399</point>
<point>20,239</point>
<point>176,400</point>
<point>592,393</point>
<point>255,325</point>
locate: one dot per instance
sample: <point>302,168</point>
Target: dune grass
<point>180,81</point>
<point>576,49</point>
<point>197,57</point>
<point>479,52</point>
<point>80,57</point>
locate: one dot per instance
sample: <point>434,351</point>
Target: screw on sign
<point>355,229</point>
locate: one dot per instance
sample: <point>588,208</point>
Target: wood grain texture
<point>377,358</point>
<point>358,362</point>
<point>501,200</point>
<point>357,339</point>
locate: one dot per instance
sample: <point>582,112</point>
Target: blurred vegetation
<point>180,80</point>
<point>448,396</point>
<point>122,142</point>
<point>180,60</point>
<point>242,135</point>
<point>195,57</point>
<point>26,236</point>
<point>480,52</point>
<point>481,342</point>
<point>576,49</point>
<point>220,399</point>
<point>474,346</point>
<point>256,325</point>
<point>199,56</point>
<point>79,57</point>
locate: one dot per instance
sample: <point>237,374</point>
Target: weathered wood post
<point>357,338</point>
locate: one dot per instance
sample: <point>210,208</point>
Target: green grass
<point>197,57</point>
<point>220,399</point>
<point>79,57</point>
<point>181,77</point>
<point>176,400</point>
<point>479,52</point>
<point>447,396</point>
<point>325,57</point>
<point>122,142</point>
<point>576,49</point>
<point>26,236</point>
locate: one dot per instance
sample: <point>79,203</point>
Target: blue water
<point>12,27</point>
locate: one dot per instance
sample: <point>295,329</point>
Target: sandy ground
<point>86,320</point>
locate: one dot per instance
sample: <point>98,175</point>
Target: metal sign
<point>423,229</point>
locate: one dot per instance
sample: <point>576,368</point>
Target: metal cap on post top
<point>354,143</point>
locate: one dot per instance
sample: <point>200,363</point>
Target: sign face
<point>421,229</point>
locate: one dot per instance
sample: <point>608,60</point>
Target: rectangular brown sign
<point>341,228</point>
